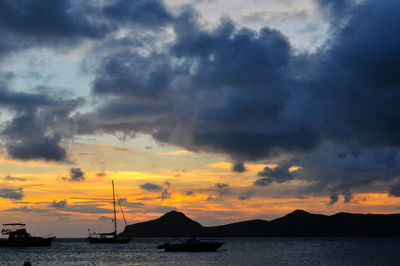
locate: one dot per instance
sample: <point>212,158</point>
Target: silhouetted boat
<point>110,238</point>
<point>19,237</point>
<point>194,244</point>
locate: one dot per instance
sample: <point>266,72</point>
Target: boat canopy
<point>14,224</point>
<point>11,228</point>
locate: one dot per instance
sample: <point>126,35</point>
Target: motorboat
<point>19,237</point>
<point>194,244</point>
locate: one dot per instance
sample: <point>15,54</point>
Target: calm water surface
<point>238,251</point>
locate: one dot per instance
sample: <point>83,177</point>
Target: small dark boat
<point>194,244</point>
<point>110,238</point>
<point>19,237</point>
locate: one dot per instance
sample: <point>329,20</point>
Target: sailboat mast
<point>115,214</point>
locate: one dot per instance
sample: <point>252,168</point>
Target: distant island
<point>296,224</point>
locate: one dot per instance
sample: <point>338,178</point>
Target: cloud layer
<point>12,193</point>
<point>231,90</point>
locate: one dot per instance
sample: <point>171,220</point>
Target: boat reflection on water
<point>194,244</point>
<point>19,237</point>
<point>107,238</point>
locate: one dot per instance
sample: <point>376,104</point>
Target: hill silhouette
<point>295,224</point>
<point>172,223</point>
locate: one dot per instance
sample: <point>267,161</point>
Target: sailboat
<point>110,238</point>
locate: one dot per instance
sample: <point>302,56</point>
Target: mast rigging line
<point>115,214</point>
<point>123,215</point>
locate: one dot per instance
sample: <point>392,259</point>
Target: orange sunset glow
<point>69,208</point>
<point>224,110</point>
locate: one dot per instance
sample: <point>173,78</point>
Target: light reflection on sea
<point>237,251</point>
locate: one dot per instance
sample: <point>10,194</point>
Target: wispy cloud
<point>62,204</point>
<point>150,187</point>
<point>246,195</point>
<point>178,152</point>
<point>12,193</point>
<point>221,190</point>
<point>13,178</point>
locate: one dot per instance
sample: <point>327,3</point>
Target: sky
<point>226,110</point>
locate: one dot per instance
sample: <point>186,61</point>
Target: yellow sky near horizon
<point>184,181</point>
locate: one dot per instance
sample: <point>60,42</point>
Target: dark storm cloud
<point>26,139</point>
<point>228,90</point>
<point>123,115</point>
<point>357,89</point>
<point>12,193</point>
<point>336,10</point>
<point>21,100</point>
<point>148,13</point>
<point>239,167</point>
<point>395,189</point>
<point>249,91</point>
<point>128,73</point>
<point>46,18</point>
<point>46,23</point>
<point>39,125</point>
<point>31,23</point>
<point>75,175</point>
<point>219,97</point>
<point>333,199</point>
<point>347,197</point>
<point>279,174</point>
<point>246,94</point>
<point>340,169</point>
<point>150,187</point>
<point>357,78</point>
<point>47,149</point>
<point>263,182</point>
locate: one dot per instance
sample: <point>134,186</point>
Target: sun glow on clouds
<point>252,167</point>
<point>184,117</point>
<point>192,190</point>
<point>89,200</point>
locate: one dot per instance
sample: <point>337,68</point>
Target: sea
<point>236,251</point>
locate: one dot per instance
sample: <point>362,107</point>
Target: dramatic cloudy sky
<point>224,109</point>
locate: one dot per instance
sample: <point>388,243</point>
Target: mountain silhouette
<point>172,223</point>
<point>298,223</point>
